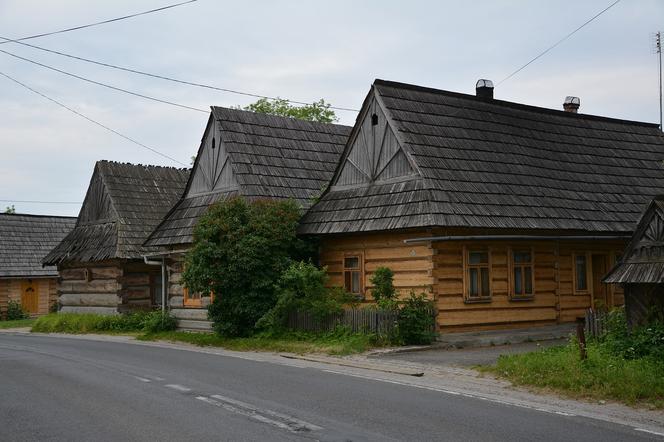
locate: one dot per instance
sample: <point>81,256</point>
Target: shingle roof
<point>269,157</point>
<point>26,239</point>
<point>643,259</point>
<point>124,203</point>
<point>495,164</point>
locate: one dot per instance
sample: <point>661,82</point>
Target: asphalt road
<point>71,389</point>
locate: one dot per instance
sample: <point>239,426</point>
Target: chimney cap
<point>482,82</point>
<point>572,100</point>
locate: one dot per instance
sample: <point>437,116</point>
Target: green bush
<point>640,342</point>
<point>89,322</point>
<point>15,311</point>
<point>416,320</point>
<point>240,250</point>
<point>384,292</point>
<point>302,287</point>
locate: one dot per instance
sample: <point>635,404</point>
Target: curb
<point>344,363</point>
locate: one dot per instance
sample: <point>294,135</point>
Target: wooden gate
<point>30,296</point>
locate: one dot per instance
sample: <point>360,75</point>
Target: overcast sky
<point>303,50</point>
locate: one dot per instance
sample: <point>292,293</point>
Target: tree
<point>384,292</point>
<point>10,209</point>
<point>317,111</point>
<point>240,250</point>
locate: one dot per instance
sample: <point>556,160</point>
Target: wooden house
<point>100,262</point>
<point>641,269</point>
<point>507,215</point>
<point>24,241</point>
<point>251,155</point>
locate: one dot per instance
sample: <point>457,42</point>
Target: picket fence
<point>596,322</point>
<point>355,320</point>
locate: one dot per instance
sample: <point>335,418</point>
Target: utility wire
<point>91,120</point>
<point>162,77</point>
<point>40,202</point>
<point>558,42</point>
<point>103,22</point>
<point>98,83</point>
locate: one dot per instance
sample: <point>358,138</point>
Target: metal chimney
<point>484,89</point>
<point>572,104</point>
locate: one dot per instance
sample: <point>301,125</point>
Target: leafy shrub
<point>416,321</point>
<point>302,287</point>
<point>157,321</point>
<point>384,292</point>
<point>240,250</point>
<point>15,311</point>
<point>640,342</point>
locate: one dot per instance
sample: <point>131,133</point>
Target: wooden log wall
<point>94,289</point>
<point>140,286</point>
<point>10,290</point>
<point>411,263</point>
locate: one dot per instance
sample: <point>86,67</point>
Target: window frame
<point>512,264</point>
<point>466,274</point>
<point>189,302</point>
<point>588,271</point>
<point>359,269</point>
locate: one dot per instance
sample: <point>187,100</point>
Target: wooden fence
<point>356,320</point>
<point>596,322</point>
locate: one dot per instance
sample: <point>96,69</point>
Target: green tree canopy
<point>239,252</point>
<point>317,111</point>
<point>10,209</point>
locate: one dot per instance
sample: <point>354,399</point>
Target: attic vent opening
<point>374,120</point>
<point>213,143</point>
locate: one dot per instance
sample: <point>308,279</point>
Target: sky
<point>297,49</point>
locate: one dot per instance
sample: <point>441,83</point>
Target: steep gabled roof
<point>482,163</point>
<point>26,239</point>
<point>256,156</point>
<point>643,259</point>
<point>123,204</point>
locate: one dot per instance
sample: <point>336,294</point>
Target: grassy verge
<point>603,376</point>
<point>299,343</point>
<point>17,323</point>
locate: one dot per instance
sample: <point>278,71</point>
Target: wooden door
<point>601,293</point>
<point>30,296</point>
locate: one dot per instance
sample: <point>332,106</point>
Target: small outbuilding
<point>641,268</point>
<point>24,241</point>
<point>100,262</point>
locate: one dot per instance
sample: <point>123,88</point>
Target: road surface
<point>62,389</point>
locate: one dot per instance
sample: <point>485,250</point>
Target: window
<point>353,274</point>
<point>479,286</point>
<point>580,273</point>
<point>191,299</point>
<point>522,274</point>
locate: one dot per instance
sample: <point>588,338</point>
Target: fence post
<point>581,336</point>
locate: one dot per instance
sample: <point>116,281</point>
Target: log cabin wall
<point>90,289</point>
<point>411,263</point>
<point>140,286</point>
<point>11,290</point>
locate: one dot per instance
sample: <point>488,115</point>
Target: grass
<point>17,323</point>
<point>603,376</point>
<point>299,343</point>
<point>339,343</point>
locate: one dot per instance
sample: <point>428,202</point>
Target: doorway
<point>30,296</point>
<point>601,292</point>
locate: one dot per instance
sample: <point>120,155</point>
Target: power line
<point>39,202</point>
<point>559,42</point>
<point>91,120</point>
<point>98,83</point>
<point>103,22</point>
<point>163,77</point>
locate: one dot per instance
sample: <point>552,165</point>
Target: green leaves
<point>317,111</point>
<point>384,292</point>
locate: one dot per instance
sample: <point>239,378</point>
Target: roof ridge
<point>522,106</point>
<point>152,166</point>
<point>36,215</point>
<point>260,114</point>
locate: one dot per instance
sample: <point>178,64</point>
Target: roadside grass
<point>299,343</point>
<point>603,376</point>
<point>78,323</point>
<point>17,323</point>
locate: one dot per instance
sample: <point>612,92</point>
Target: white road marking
<point>456,393</point>
<point>178,387</point>
<point>156,378</point>
<point>142,379</point>
<point>643,430</point>
<point>282,421</point>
